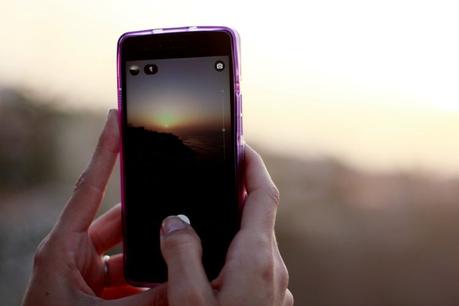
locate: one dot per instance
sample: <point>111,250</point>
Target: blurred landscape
<point>349,236</point>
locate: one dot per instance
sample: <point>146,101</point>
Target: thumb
<point>181,249</point>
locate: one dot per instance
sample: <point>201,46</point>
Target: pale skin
<point>69,270</point>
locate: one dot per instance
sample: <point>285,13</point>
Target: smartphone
<point>180,121</point>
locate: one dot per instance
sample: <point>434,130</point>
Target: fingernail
<point>184,218</point>
<point>174,223</point>
<point>110,112</point>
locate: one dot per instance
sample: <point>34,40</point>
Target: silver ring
<point>105,259</point>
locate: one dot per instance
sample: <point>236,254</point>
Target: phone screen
<point>179,158</point>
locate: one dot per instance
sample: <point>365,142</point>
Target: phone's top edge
<point>232,32</point>
<point>178,30</point>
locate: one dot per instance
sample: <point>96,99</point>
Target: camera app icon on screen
<point>219,65</point>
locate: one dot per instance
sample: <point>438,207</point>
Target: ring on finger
<point>106,259</point>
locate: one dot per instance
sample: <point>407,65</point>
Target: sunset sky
<point>373,83</point>
<point>183,97</point>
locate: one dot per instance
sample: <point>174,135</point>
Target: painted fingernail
<point>184,218</point>
<point>174,223</point>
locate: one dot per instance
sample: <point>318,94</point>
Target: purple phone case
<point>237,108</point>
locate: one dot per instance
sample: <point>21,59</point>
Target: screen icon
<point>134,70</point>
<point>219,65</point>
<point>150,69</point>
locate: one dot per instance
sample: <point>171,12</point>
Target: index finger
<point>89,191</point>
<point>262,199</point>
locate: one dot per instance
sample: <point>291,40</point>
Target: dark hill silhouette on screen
<point>156,144</point>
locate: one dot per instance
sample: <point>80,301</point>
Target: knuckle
<point>258,156</point>
<point>80,181</point>
<point>289,299</point>
<point>39,257</point>
<point>97,240</point>
<point>283,276</point>
<point>83,183</point>
<point>181,241</point>
<point>264,266</point>
<point>262,242</point>
<point>272,192</point>
<point>42,252</point>
<point>267,274</point>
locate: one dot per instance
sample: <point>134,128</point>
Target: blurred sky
<point>373,82</point>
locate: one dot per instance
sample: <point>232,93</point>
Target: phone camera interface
<point>134,70</point>
<point>219,65</point>
<point>150,69</point>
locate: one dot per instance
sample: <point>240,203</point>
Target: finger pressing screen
<point>89,190</point>
<point>181,249</point>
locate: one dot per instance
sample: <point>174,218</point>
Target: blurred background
<point>353,104</point>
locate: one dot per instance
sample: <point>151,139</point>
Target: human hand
<point>69,269</point>
<point>68,265</point>
<point>254,273</point>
